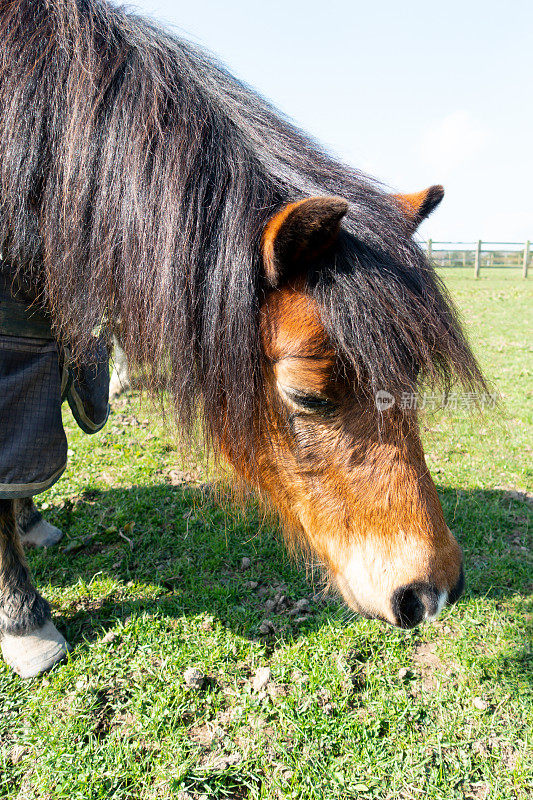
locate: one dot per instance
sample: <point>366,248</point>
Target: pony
<point>269,293</point>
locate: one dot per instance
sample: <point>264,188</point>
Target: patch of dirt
<point>207,733</point>
<point>107,717</point>
<point>520,537</point>
<point>427,663</point>
<point>102,715</point>
<point>176,476</point>
<point>220,759</point>
<point>261,678</point>
<point>88,605</point>
<point>477,791</point>
<point>277,690</point>
<point>353,664</point>
<point>496,746</point>
<point>511,493</point>
<point>27,787</point>
<point>425,656</point>
<point>283,614</point>
<point>18,753</point>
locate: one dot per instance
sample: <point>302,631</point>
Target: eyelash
<point>311,403</point>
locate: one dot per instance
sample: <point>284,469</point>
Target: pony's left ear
<point>298,234</point>
<point>418,206</point>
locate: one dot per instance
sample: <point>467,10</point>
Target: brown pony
<point>268,290</point>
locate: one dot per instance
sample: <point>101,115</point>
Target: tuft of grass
<point>149,581</point>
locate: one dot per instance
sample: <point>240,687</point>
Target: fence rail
<point>478,255</point>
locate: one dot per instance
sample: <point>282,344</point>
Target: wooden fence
<point>478,255</point>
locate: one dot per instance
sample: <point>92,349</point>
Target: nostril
<point>458,589</point>
<point>407,607</point>
<point>415,602</point>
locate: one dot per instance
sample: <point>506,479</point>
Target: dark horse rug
<point>36,376</point>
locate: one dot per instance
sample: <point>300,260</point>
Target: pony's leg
<point>120,379</point>
<point>33,529</point>
<point>29,641</point>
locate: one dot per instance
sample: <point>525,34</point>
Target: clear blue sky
<point>412,92</point>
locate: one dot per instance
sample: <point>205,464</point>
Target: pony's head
<point>141,181</point>
<point>347,473</point>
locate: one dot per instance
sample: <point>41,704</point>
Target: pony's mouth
<point>404,587</point>
<point>409,606</point>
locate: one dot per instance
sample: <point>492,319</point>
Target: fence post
<point>430,249</point>
<point>477,262</point>
<point>526,259</point>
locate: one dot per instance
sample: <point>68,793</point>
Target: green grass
<point>148,582</point>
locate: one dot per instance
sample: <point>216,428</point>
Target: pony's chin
<point>363,591</point>
<point>353,602</point>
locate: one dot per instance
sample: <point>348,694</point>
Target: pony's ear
<point>418,206</point>
<point>299,233</point>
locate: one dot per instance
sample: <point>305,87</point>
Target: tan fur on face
<point>296,343</point>
<point>353,484</point>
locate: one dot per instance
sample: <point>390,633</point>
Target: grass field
<point>149,582</point>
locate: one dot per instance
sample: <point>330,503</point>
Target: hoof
<point>36,652</point>
<point>42,534</point>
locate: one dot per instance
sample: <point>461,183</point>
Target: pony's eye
<point>311,403</point>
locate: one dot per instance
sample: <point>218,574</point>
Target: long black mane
<point>136,177</point>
